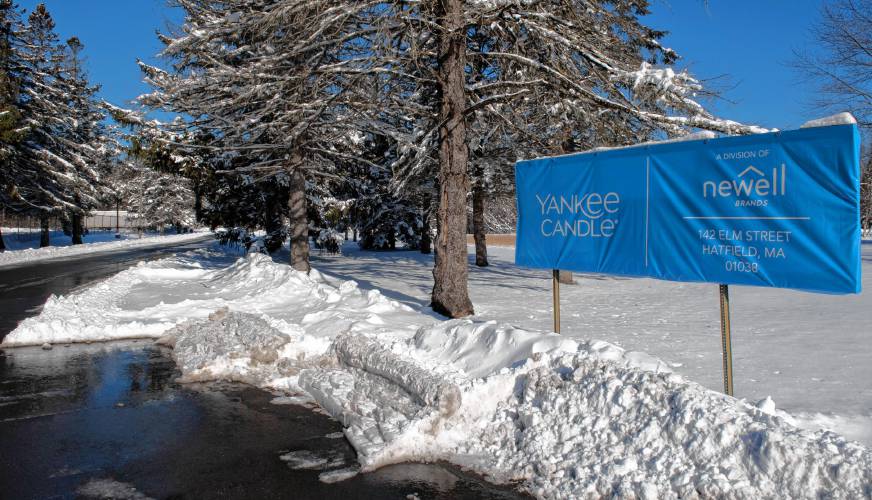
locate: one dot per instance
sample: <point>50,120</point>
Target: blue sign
<point>779,209</point>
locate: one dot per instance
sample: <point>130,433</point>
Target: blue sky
<point>115,34</point>
<point>750,42</point>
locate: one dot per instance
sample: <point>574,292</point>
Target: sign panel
<point>779,209</point>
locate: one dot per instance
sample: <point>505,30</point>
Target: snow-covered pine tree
<point>271,78</point>
<point>82,143</point>
<point>219,200</point>
<point>383,217</point>
<point>167,200</point>
<point>595,55</point>
<point>153,199</point>
<point>10,134</point>
<point>42,106</point>
<point>61,178</point>
<point>196,164</point>
<point>149,178</point>
<point>10,115</point>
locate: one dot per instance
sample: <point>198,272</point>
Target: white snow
<point>568,416</point>
<point>110,488</point>
<point>799,348</point>
<point>827,121</point>
<point>693,136</point>
<point>23,251</point>
<point>664,77</point>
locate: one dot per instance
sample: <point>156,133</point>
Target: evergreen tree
<point>55,155</point>
<point>10,115</point>
<point>382,216</point>
<point>283,85</point>
<point>151,174</point>
<point>11,130</point>
<point>83,138</point>
<point>268,80</point>
<point>594,56</point>
<point>158,199</point>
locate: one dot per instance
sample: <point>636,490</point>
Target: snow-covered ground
<point>811,353</point>
<point>23,247</point>
<point>568,415</point>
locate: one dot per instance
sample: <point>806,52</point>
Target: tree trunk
<point>78,228</point>
<point>450,293</point>
<point>44,240</point>
<point>426,238</point>
<point>299,220</point>
<point>198,204</point>
<point>478,229</point>
<point>2,243</point>
<point>272,223</point>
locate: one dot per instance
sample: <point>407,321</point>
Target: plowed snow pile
<point>569,419</point>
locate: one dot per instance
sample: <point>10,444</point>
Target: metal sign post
<point>725,340</point>
<point>555,283</point>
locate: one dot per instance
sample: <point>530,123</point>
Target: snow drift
<point>568,418</point>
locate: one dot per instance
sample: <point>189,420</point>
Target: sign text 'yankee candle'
<point>779,209</point>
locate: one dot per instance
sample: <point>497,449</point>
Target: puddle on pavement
<point>109,421</point>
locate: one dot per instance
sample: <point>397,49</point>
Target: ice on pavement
<point>110,488</point>
<point>335,476</point>
<point>568,417</point>
<point>308,460</point>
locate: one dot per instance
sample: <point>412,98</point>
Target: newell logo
<point>750,182</point>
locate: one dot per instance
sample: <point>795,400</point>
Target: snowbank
<point>149,299</point>
<point>583,427</point>
<point>568,418</point>
<point>28,255</point>
<point>237,347</point>
<point>578,420</point>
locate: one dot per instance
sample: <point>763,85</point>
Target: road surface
<point>109,420</point>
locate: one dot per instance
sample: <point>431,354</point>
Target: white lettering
<point>750,182</point>
<point>579,215</point>
<point>543,202</point>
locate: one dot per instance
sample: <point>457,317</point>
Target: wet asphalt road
<point>109,421</point>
